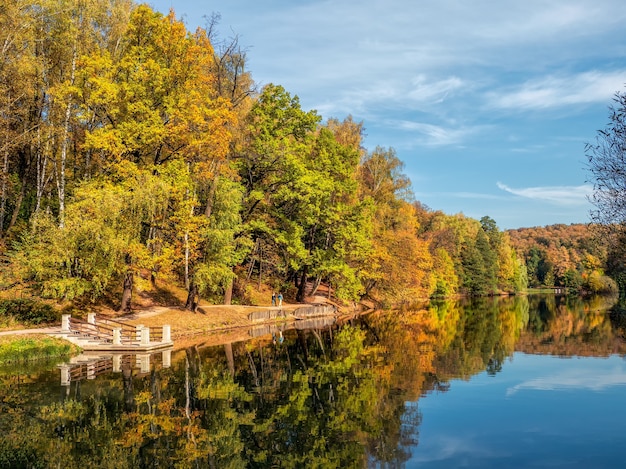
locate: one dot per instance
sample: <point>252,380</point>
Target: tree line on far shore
<point>135,154</point>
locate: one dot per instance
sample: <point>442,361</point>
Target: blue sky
<point>488,103</point>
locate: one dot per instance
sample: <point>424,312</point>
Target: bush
<point>27,311</point>
<point>19,456</point>
<point>598,283</point>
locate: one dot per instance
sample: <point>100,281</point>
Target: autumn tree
<point>561,255</point>
<point>18,82</point>
<point>398,268</point>
<point>157,102</point>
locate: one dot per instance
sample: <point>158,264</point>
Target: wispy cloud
<point>434,91</point>
<point>435,135</point>
<point>558,91</point>
<point>562,195</point>
<point>419,93</point>
<point>459,195</point>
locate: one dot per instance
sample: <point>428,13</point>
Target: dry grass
<point>209,319</point>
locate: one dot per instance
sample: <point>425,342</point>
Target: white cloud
<point>367,56</point>
<point>562,195</point>
<point>419,93</point>
<point>433,91</point>
<point>557,91</point>
<point>459,195</point>
<point>435,135</point>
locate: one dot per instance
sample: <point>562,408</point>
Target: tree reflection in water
<point>345,395</point>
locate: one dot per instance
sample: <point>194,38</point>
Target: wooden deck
<point>303,312</point>
<point>109,335</point>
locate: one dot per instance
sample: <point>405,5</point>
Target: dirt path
<point>40,330</point>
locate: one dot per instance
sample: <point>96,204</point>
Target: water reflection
<point>335,394</point>
<point>592,379</point>
<point>90,365</point>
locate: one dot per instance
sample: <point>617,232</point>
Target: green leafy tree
<point>102,239</point>
<point>300,192</point>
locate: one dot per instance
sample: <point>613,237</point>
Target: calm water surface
<point>521,382</point>
<point>539,411</point>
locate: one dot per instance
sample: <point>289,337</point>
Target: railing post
<point>167,333</point>
<point>65,322</point>
<point>91,371</point>
<point>117,336</point>
<point>91,318</point>
<point>117,363</point>
<point>167,358</point>
<point>145,336</point>
<point>144,363</point>
<point>65,375</point>
<point>138,330</point>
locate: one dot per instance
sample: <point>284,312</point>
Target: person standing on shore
<point>273,299</point>
<point>280,299</point>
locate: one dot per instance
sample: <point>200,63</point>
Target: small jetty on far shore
<point>303,312</point>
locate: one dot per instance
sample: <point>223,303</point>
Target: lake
<point>536,381</point>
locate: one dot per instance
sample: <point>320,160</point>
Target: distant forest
<point>137,156</point>
<point>574,256</point>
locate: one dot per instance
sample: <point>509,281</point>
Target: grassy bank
<point>21,348</point>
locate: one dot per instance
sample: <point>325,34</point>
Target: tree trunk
<point>260,266</point>
<point>192,297</point>
<point>187,283</point>
<point>252,259</point>
<point>64,145</point>
<point>18,205</point>
<point>3,196</point>
<point>296,279</point>
<point>302,286</point>
<point>127,293</point>
<point>228,293</point>
<point>318,281</point>
<point>42,167</point>
<point>211,194</point>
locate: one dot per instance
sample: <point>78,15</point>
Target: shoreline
<point>209,320</point>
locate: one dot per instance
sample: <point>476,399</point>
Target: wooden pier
<point>315,310</point>
<point>99,333</point>
<point>303,312</point>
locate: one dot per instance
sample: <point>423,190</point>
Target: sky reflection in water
<point>539,411</point>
